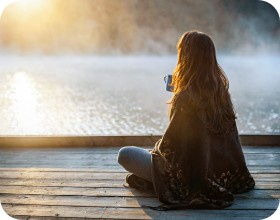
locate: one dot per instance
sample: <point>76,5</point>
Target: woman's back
<point>198,162</point>
<point>199,74</point>
<point>194,167</point>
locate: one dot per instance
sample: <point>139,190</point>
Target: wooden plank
<point>267,185</point>
<point>62,175</point>
<point>110,158</point>
<point>72,150</point>
<point>60,164</point>
<point>71,191</point>
<point>96,167</point>
<point>114,150</point>
<point>87,165</point>
<point>261,149</point>
<point>125,202</point>
<point>102,191</point>
<point>37,158</point>
<point>92,175</point>
<point>263,156</point>
<point>112,140</point>
<point>90,154</point>
<point>67,163</point>
<point>112,165</point>
<point>91,201</point>
<point>117,168</point>
<point>77,141</point>
<point>275,163</point>
<point>90,164</point>
<point>83,161</point>
<point>127,213</point>
<point>50,170</point>
<point>92,151</point>
<point>108,183</point>
<point>61,157</point>
<point>265,177</point>
<point>259,194</point>
<point>260,140</point>
<point>262,169</point>
<point>247,148</point>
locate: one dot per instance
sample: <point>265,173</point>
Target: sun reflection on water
<point>24,97</point>
<point>88,96</point>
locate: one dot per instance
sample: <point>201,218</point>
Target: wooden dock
<point>76,183</point>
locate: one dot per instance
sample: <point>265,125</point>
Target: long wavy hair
<point>199,74</point>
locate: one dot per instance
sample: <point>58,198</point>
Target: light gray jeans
<point>137,161</point>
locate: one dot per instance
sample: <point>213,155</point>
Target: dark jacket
<point>193,167</point>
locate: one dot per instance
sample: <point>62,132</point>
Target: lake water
<point>88,95</point>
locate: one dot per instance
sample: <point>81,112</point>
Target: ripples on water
<point>71,95</point>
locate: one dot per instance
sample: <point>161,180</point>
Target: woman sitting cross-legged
<point>198,162</point>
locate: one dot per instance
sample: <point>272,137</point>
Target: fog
<point>137,26</point>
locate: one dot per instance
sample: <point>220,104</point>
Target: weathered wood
<point>62,175</point>
<point>108,160</point>
<point>107,141</point>
<point>85,191</point>
<point>128,213</point>
<point>272,151</point>
<point>117,168</point>
<point>265,162</point>
<point>76,141</point>
<point>255,169</point>
<point>91,154</point>
<point>267,185</point>
<point>106,183</point>
<point>264,156</point>
<point>93,175</point>
<point>87,182</point>
<point>261,149</point>
<point>95,165</point>
<point>100,191</point>
<point>114,150</point>
<point>91,201</point>
<point>124,202</point>
<point>99,167</point>
<point>37,158</point>
<point>260,140</point>
<point>51,170</point>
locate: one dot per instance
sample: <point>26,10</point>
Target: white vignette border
<point>274,216</point>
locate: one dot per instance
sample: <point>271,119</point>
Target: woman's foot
<point>138,182</point>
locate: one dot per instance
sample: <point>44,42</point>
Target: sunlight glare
<point>4,4</point>
<point>30,4</point>
<point>24,98</point>
<point>25,4</point>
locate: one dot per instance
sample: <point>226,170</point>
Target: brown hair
<point>199,74</point>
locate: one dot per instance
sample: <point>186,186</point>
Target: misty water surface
<point>87,95</point>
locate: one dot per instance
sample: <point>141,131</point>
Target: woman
<point>198,162</point>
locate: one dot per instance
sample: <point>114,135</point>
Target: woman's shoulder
<point>182,99</point>
<point>183,103</point>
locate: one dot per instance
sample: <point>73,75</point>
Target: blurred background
<point>95,67</point>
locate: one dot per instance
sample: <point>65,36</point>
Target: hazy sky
<point>136,26</point>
